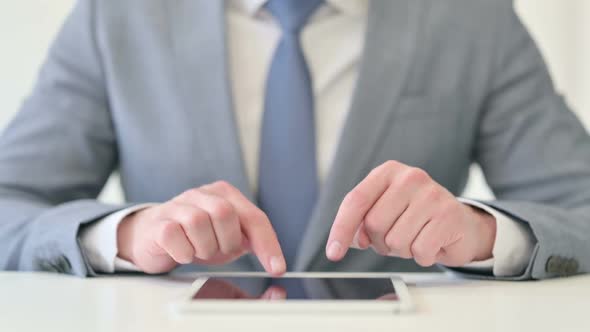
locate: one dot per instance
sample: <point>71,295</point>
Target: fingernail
<point>334,250</point>
<point>277,265</point>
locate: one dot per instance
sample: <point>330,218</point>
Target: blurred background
<point>561,28</point>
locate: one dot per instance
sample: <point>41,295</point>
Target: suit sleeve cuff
<point>513,246</point>
<point>99,242</point>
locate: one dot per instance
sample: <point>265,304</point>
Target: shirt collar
<point>350,7</point>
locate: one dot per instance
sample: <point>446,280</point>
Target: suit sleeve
<point>535,155</point>
<point>56,156</point>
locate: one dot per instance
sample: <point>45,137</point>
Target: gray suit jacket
<point>142,86</point>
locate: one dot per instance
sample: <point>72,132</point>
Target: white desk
<point>49,302</point>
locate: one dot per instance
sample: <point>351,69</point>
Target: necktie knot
<point>292,14</point>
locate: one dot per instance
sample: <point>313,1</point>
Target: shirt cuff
<point>99,242</point>
<point>513,247</point>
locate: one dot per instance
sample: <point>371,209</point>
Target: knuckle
<point>390,164</point>
<point>356,200</point>
<point>186,195</point>
<point>191,192</point>
<point>395,243</point>
<point>433,194</point>
<point>414,176</point>
<point>399,245</point>
<point>161,211</point>
<point>197,219</point>
<point>223,186</point>
<point>421,251</point>
<point>385,169</point>
<point>373,224</point>
<point>168,232</point>
<point>207,252</point>
<point>222,210</point>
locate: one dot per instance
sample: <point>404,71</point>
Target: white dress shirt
<point>333,43</point>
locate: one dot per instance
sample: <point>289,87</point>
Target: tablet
<point>296,292</point>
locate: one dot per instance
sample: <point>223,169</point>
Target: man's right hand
<point>211,225</point>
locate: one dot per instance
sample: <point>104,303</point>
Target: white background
<point>562,29</point>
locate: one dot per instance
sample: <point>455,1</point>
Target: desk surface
<point>49,302</point>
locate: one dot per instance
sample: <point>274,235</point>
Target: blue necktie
<point>288,184</point>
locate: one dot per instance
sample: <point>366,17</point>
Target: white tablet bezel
<point>186,304</point>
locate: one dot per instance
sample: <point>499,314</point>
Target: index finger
<point>258,230</point>
<point>353,209</point>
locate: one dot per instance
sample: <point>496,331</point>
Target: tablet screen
<point>250,288</point>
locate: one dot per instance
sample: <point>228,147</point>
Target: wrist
<point>486,233</point>
<point>125,238</point>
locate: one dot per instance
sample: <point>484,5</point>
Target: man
<point>294,130</point>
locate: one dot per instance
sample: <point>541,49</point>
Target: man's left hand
<point>399,210</point>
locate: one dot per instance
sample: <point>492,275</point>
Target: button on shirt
<point>333,44</point>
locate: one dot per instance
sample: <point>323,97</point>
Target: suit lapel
<point>199,41</point>
<point>389,45</point>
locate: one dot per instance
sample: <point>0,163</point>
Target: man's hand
<point>214,224</point>
<point>400,211</point>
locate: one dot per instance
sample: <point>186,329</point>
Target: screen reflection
<point>252,288</point>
